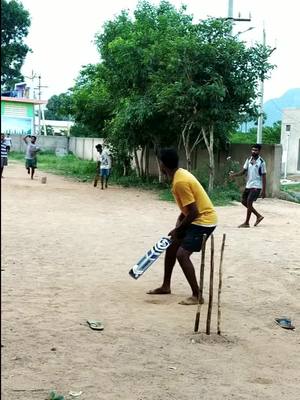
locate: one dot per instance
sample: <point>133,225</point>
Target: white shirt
<point>31,151</point>
<point>8,141</point>
<point>105,159</point>
<point>255,169</point>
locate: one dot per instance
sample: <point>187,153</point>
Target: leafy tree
<point>92,103</point>
<point>81,130</point>
<point>15,22</point>
<point>59,107</point>
<point>133,51</point>
<point>163,80</point>
<point>212,84</point>
<point>270,135</point>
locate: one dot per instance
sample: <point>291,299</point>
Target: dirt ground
<point>67,249</point>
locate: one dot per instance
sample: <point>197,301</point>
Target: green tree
<point>15,22</point>
<point>92,103</point>
<point>133,51</point>
<point>163,80</point>
<point>59,107</point>
<point>211,84</point>
<point>270,135</point>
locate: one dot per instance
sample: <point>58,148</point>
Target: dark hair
<point>257,146</point>
<point>98,146</point>
<point>169,157</point>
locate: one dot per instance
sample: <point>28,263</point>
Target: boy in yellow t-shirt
<point>197,217</point>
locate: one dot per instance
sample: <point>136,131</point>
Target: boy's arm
<point>25,138</point>
<point>240,173</point>
<point>185,220</point>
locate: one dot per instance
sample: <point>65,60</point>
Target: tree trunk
<point>209,142</point>
<point>137,163</point>
<point>147,162</point>
<point>142,165</point>
<point>185,135</point>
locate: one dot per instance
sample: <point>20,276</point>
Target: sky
<point>62,32</point>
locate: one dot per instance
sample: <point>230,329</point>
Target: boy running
<point>31,151</point>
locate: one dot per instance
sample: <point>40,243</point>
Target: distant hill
<point>273,108</point>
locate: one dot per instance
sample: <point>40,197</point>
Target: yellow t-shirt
<point>187,189</point>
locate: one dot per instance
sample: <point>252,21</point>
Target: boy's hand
<point>231,175</point>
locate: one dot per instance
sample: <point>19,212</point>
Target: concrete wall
<point>290,140</point>
<point>84,148</point>
<point>239,153</point>
<point>47,143</point>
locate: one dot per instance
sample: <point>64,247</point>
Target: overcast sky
<point>62,32</point>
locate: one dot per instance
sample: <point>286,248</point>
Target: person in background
<point>3,154</point>
<point>8,142</point>
<point>31,154</point>
<point>255,168</point>
<point>103,165</point>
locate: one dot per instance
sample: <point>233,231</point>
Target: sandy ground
<point>67,250</point>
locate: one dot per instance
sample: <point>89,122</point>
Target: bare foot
<point>190,301</point>
<point>258,220</point>
<point>244,225</point>
<point>159,290</point>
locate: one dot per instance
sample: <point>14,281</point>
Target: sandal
<point>284,322</point>
<point>95,325</point>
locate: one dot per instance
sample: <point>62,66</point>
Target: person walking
<point>255,168</point>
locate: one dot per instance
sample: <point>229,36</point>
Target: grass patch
<point>292,191</point>
<point>84,171</point>
<point>68,165</point>
<point>291,187</point>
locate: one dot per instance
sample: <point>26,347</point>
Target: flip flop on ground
<point>284,322</point>
<point>95,325</point>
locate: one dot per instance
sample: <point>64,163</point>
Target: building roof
<point>23,100</point>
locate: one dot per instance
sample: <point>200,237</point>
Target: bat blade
<point>149,258</point>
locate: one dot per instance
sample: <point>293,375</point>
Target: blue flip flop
<point>284,322</point>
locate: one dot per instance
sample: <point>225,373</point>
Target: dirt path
<point>67,250</point>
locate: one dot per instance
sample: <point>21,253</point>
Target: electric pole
<point>31,78</point>
<point>231,18</point>
<point>39,95</point>
<point>261,102</point>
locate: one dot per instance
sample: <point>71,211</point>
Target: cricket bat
<point>150,257</point>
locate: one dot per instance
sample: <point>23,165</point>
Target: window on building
<point>288,128</point>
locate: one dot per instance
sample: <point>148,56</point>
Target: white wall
<point>291,141</point>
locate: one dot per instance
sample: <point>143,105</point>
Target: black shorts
<point>250,195</point>
<point>192,239</point>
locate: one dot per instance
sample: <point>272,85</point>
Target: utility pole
<point>39,116</point>
<point>32,77</point>
<point>231,18</point>
<point>261,102</point>
<point>261,97</point>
